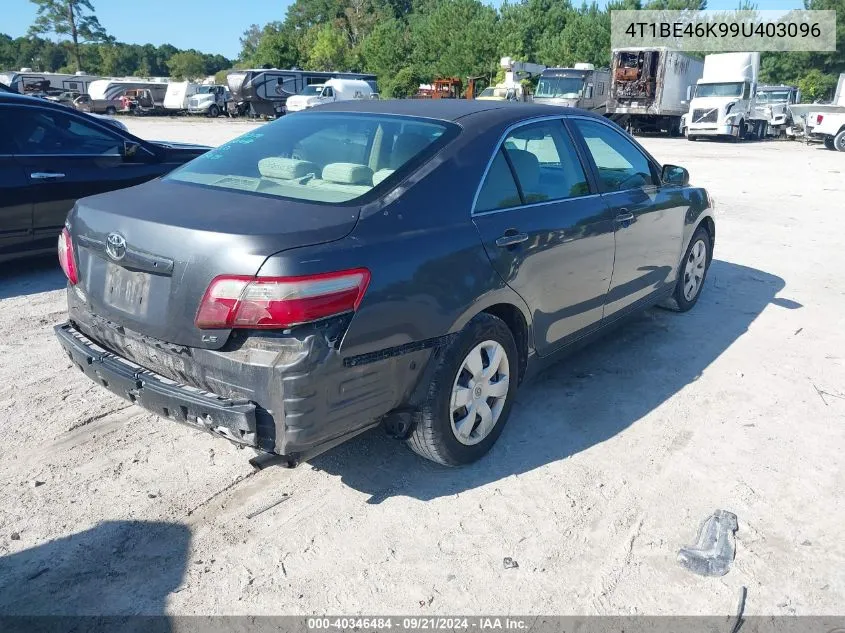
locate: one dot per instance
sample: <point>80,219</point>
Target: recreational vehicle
<point>178,94</point>
<point>26,81</point>
<point>264,92</point>
<point>110,89</point>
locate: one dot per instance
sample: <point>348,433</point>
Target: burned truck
<point>651,88</point>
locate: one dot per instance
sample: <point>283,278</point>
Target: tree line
<point>408,42</point>
<point>82,43</point>
<point>403,42</point>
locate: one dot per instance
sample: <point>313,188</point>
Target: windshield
<point>204,90</point>
<point>319,157</point>
<point>719,90</point>
<point>312,90</point>
<point>773,96</point>
<point>560,87</point>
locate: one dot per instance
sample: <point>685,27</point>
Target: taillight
<point>280,302</point>
<point>66,259</point>
<point>819,119</point>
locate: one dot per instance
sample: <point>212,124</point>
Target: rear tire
<point>467,404</point>
<point>828,143</point>
<point>693,270</point>
<point>839,141</point>
<point>690,137</point>
<point>111,111</point>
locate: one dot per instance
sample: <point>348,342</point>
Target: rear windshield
<point>319,157</point>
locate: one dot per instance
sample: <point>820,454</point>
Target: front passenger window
<point>620,164</point>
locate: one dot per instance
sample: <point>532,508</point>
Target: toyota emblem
<point>116,246</point>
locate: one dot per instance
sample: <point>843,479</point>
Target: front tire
<point>470,396</point>
<point>214,111</point>
<point>693,270</point>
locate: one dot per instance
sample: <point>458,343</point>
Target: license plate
<point>126,290</point>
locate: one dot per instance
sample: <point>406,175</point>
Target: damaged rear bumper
<point>294,395</point>
<point>233,419</point>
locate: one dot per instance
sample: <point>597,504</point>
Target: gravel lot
<point>609,462</point>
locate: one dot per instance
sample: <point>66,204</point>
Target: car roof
<point>480,112</point>
<point>14,97</point>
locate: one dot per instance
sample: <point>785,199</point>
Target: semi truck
<point>581,86</point>
<point>650,88</point>
<point>724,105</point>
<point>772,104</point>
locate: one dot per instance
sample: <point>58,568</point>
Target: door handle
<point>624,216</point>
<point>511,239</point>
<point>45,175</point>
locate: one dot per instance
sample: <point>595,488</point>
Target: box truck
<point>650,88</point>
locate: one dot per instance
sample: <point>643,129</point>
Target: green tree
<point>816,85</point>
<point>68,17</point>
<point>385,51</point>
<point>328,49</point>
<point>186,65</point>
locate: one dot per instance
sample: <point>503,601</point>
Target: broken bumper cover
<point>233,419</point>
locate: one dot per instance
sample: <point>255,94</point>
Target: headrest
<point>348,174</point>
<point>381,174</point>
<point>406,146</point>
<point>285,168</point>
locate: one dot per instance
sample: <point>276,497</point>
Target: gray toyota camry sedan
<point>405,263</point>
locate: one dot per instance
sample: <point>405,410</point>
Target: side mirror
<point>589,92</point>
<point>674,175</point>
<point>130,149</point>
<point>689,93</point>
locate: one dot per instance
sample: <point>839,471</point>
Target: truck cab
<point>724,101</point>
<point>579,87</point>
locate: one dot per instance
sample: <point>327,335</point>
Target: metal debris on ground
<point>268,507</point>
<point>714,549</point>
<point>510,563</point>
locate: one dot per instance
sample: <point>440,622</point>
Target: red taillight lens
<point>66,259</point>
<point>279,302</point>
<point>819,118</point>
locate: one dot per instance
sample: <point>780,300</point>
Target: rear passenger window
<point>499,189</point>
<point>546,165</point>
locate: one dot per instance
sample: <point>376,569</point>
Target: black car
<point>399,262</point>
<point>52,155</point>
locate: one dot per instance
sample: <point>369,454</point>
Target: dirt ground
<point>607,466</point>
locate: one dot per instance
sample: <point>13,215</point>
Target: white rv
<point>109,89</point>
<point>178,94</point>
<point>27,81</point>
<point>329,92</point>
<point>724,104</point>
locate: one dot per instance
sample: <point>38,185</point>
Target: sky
<point>212,26</point>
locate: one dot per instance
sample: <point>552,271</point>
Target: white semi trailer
<point>650,88</point>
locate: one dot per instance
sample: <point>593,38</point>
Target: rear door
<point>546,231</point>
<point>648,217</point>
<point>64,157</point>
<point>15,206</point>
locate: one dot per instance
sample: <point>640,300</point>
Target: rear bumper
<point>292,395</point>
<point>233,419</point>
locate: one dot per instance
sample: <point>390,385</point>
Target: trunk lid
<point>147,254</point>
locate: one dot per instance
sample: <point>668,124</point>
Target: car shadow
<point>582,401</point>
<point>118,569</point>
<point>23,277</point>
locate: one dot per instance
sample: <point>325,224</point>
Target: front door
<point>65,157</point>
<point>648,218</point>
<point>15,206</point>
<point>547,233</point>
